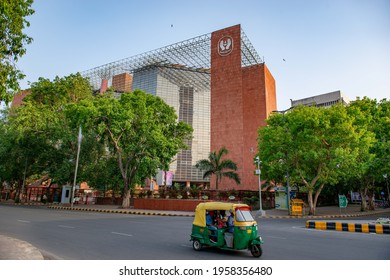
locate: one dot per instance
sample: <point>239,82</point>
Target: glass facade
<point>190,97</point>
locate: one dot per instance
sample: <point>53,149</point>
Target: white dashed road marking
<point>119,233</point>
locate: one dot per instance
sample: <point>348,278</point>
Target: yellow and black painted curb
<point>132,212</point>
<point>351,227</point>
<point>317,217</point>
<point>32,204</point>
<point>333,216</point>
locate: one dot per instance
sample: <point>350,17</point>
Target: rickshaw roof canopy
<point>200,211</point>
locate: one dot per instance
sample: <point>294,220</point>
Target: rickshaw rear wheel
<point>197,245</point>
<point>256,250</point>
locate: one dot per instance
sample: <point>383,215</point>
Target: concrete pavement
<point>14,249</point>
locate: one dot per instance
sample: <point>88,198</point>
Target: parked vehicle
<point>244,233</point>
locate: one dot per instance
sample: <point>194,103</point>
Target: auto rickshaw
<point>243,237</point>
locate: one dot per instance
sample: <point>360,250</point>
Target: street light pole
<point>287,173</point>
<point>258,172</point>
<point>77,165</point>
<point>24,182</point>
<point>387,185</point>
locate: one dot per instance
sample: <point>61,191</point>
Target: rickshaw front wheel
<point>256,250</point>
<point>197,245</point>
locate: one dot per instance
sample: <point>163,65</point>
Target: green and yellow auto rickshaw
<point>242,233</point>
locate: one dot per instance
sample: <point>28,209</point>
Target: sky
<point>311,47</point>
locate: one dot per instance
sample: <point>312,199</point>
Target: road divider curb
<point>333,216</point>
<point>146,213</point>
<point>351,227</point>
<point>32,204</point>
<point>315,217</point>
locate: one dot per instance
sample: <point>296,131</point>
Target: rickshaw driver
<point>211,227</point>
<point>230,222</point>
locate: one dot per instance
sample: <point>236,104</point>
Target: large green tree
<point>219,167</point>
<point>24,143</point>
<point>314,146</point>
<point>13,14</point>
<point>139,128</point>
<point>42,141</point>
<point>372,122</point>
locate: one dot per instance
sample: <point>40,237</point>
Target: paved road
<point>289,240</point>
<point>77,235</point>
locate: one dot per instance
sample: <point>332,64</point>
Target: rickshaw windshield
<point>244,215</point>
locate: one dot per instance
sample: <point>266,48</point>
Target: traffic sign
<point>343,202</point>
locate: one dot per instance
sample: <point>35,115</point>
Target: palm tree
<point>214,165</point>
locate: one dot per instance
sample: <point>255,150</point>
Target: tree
<point>41,139</point>
<point>373,124</point>
<point>314,146</point>
<point>20,149</point>
<point>102,172</point>
<point>215,165</point>
<point>13,15</point>
<point>382,147</point>
<point>139,128</point>
<point>59,92</point>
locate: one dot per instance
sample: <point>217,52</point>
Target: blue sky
<point>311,47</point>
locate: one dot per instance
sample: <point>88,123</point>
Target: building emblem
<point>225,45</point>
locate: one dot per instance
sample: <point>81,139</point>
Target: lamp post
<point>287,173</point>
<point>24,182</point>
<point>258,172</point>
<point>387,185</point>
<point>80,137</point>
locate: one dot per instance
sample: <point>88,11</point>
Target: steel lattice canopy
<point>186,62</point>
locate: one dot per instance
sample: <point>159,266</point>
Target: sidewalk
<point>14,249</point>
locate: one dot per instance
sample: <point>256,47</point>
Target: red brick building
<point>241,100</point>
<point>18,98</point>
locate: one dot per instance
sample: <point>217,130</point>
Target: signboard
<point>163,177</point>
<point>280,189</point>
<point>225,45</point>
<point>297,208</point>
<point>280,200</point>
<point>343,202</point>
